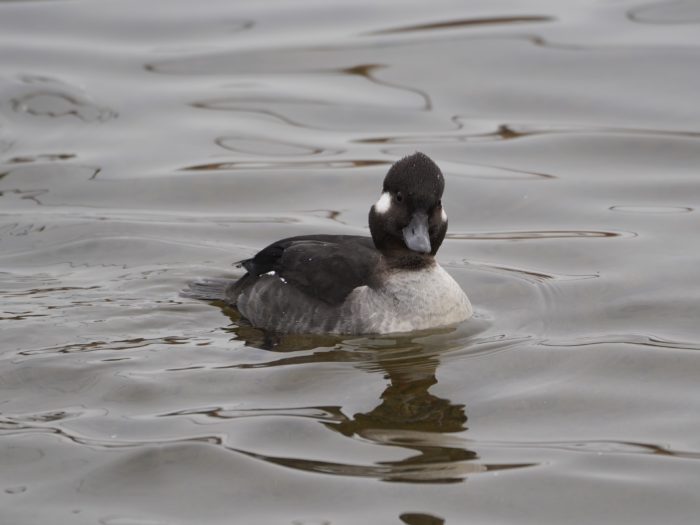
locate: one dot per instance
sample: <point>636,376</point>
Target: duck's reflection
<point>408,415</point>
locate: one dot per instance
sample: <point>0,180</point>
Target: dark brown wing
<point>325,267</point>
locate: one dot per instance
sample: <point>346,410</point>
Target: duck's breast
<point>410,300</point>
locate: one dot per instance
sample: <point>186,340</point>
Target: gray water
<point>144,144</point>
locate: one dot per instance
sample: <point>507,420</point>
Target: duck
<point>357,285</point>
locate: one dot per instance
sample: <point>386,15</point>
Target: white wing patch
<point>383,204</point>
<point>444,215</point>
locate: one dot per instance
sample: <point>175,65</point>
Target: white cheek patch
<point>383,204</point>
<point>444,215</point>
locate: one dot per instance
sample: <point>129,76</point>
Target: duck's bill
<point>416,235</point>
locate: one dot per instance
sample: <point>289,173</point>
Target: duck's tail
<point>207,289</point>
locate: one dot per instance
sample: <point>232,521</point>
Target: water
<point>145,144</point>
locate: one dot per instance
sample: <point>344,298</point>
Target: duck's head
<point>409,214</point>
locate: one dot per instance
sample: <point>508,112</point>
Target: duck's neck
<point>405,259</point>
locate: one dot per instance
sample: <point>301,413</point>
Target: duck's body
<point>346,284</point>
<point>342,284</point>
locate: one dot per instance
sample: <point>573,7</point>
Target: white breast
<point>411,300</point>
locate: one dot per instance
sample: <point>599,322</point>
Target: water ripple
<point>43,157</point>
<point>679,12</point>
<point>120,344</point>
<point>47,97</point>
<point>663,210</point>
<point>626,339</point>
<point>598,447</point>
<point>537,235</point>
<point>356,86</point>
<point>533,275</point>
<point>286,164</point>
<point>214,414</point>
<point>464,22</point>
<point>442,469</point>
<point>513,131</point>
<point>267,147</point>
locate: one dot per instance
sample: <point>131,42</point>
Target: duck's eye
<point>439,204</point>
<point>399,197</point>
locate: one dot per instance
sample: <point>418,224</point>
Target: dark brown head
<point>408,215</point>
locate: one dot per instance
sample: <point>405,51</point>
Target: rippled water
<point>144,144</point>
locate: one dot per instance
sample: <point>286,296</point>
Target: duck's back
<point>301,284</point>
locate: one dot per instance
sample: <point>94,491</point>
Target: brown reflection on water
<point>25,194</point>
<point>532,235</point>
<point>32,166</point>
<point>420,518</point>
<point>307,164</point>
<point>41,157</point>
<point>223,105</point>
<point>94,346</point>
<point>518,131</point>
<point>249,145</point>
<point>464,22</point>
<point>367,71</point>
<point>407,415</point>
<point>364,71</point>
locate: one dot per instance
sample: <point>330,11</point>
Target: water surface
<point>143,145</point>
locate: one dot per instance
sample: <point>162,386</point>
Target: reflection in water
<point>530,235</point>
<point>56,105</point>
<point>47,97</point>
<point>349,93</point>
<point>223,105</point>
<point>41,157</point>
<point>367,71</point>
<point>534,276</point>
<point>517,131</point>
<point>19,174</point>
<point>626,339</point>
<point>94,346</point>
<point>651,209</point>
<point>250,145</point>
<point>679,12</point>
<point>286,164</point>
<point>31,195</point>
<point>408,415</point>
<point>419,518</point>
<point>464,22</point>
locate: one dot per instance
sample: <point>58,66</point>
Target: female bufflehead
<point>347,284</point>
